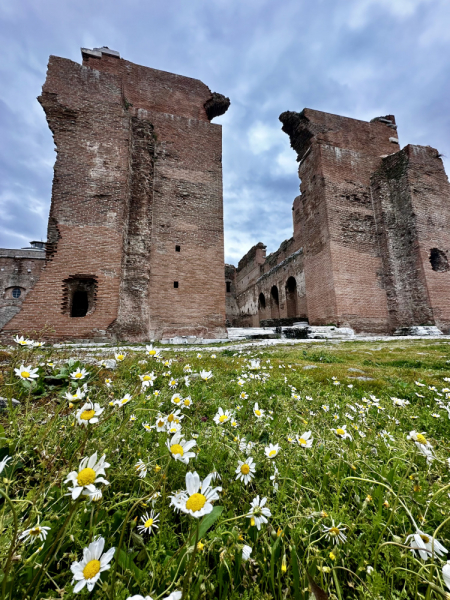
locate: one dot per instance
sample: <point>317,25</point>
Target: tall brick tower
<point>135,233</point>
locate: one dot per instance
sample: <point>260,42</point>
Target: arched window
<point>291,297</point>
<point>16,292</point>
<point>274,302</point>
<point>261,302</point>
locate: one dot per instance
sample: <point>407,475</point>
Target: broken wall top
<point>343,132</point>
<point>154,90</point>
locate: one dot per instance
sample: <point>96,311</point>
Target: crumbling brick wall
<point>136,207</point>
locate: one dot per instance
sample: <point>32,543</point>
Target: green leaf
<point>296,573</point>
<point>207,522</point>
<point>126,561</point>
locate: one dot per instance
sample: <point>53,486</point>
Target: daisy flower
<point>271,450</point>
<point>147,379</point>
<point>176,399</point>
<point>179,448</point>
<point>234,424</point>
<point>196,500</point>
<point>205,375</point>
<point>199,355</point>
<point>147,427</point>
<point>108,382</point>
<point>240,382</point>
<point>87,571</point>
<point>175,417</point>
<point>27,373</point>
<point>342,432</point>
<point>93,496</point>
<point>160,424</point>
<point>120,356</point>
<point>243,396</point>
<point>187,402</point>
<point>187,369</point>
<point>149,522</point>
<point>89,413</point>
<point>173,383</point>
<point>89,473</point>
<point>38,532</point>
<point>305,440</point>
<point>153,352</point>
<point>141,468</point>
<point>258,412</point>
<point>222,417</point>
<point>123,400</point>
<point>187,383</point>
<point>258,512</point>
<point>246,551</point>
<point>79,395</point>
<point>422,444</point>
<point>22,342</point>
<point>254,365</point>
<point>154,498</point>
<point>79,374</point>
<point>425,545</point>
<point>246,470</point>
<point>335,533</point>
<point>173,428</point>
<point>132,418</point>
<point>4,462</point>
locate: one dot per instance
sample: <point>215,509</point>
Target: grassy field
<point>347,443</point>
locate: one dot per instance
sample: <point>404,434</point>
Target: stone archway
<point>274,303</point>
<point>291,297</point>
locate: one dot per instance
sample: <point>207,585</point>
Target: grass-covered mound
<point>322,471</point>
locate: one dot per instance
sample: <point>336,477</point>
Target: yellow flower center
<point>196,502</point>
<point>177,449</point>
<point>223,418</point>
<point>302,442</point>
<point>86,476</point>
<point>120,357</point>
<point>86,415</point>
<point>252,522</point>
<point>173,382</point>
<point>187,402</point>
<point>146,378</point>
<point>334,531</point>
<point>258,413</point>
<point>160,423</point>
<point>148,523</point>
<point>170,418</point>
<point>340,431</point>
<point>91,569</point>
<point>425,538</point>
<point>177,400</point>
<point>35,531</point>
<point>272,453</point>
<point>421,439</point>
<point>25,374</point>
<point>78,375</point>
<point>152,352</point>
<point>245,469</point>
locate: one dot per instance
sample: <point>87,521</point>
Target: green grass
<point>378,485</point>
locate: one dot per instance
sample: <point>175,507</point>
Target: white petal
<point>80,585</point>
<point>192,483</point>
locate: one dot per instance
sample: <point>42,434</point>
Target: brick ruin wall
<point>136,204</point>
<point>370,232</point>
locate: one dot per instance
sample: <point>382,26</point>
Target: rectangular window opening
<point>177,249</point>
<point>175,284</point>
<point>228,286</point>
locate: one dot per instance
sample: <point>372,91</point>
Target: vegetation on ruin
<point>349,445</point>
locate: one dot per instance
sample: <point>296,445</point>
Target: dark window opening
<point>438,260</point>
<point>80,304</point>
<point>175,284</point>
<point>274,294</point>
<point>291,297</point>
<point>262,301</point>
<point>228,287</point>
<point>16,292</point>
<point>177,249</point>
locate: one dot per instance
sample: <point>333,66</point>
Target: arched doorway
<point>274,303</point>
<point>261,306</point>
<point>291,297</point>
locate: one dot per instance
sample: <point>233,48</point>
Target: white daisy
<point>89,413</point>
<point>199,355</point>
<point>173,383</point>
<point>241,382</point>
<point>258,412</point>
<point>123,400</point>
<point>147,427</point>
<point>254,365</point>
<point>160,424</point>
<point>27,373</point>
<point>120,356</point>
<point>179,448</point>
<point>234,424</point>
<point>246,470</point>
<point>258,512</point>
<point>147,379</point>
<point>176,399</point>
<point>173,428</point>
<point>88,474</point>
<point>222,416</point>
<point>187,402</point>
<point>342,432</point>
<point>35,533</point>
<point>87,571</point>
<point>305,440</point>
<point>187,369</point>
<point>22,342</point>
<point>153,352</point>
<point>422,444</point>
<point>243,396</point>
<point>196,500</point>
<point>187,383</point>
<point>79,374</point>
<point>79,395</point>
<point>271,450</point>
<point>425,545</point>
<point>4,462</point>
<point>335,533</point>
<point>132,418</point>
<point>141,468</point>
<point>174,417</point>
<point>205,375</point>
<point>149,521</point>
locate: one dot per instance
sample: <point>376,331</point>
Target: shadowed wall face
<point>136,204</point>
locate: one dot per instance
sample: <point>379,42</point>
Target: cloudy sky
<point>358,58</point>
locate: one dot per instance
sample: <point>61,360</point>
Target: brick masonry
<point>136,204</point>
<point>370,238</point>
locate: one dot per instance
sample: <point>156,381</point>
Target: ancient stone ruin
<point>135,233</point>
<point>371,234</point>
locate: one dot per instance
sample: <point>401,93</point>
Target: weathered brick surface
<point>138,172</point>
